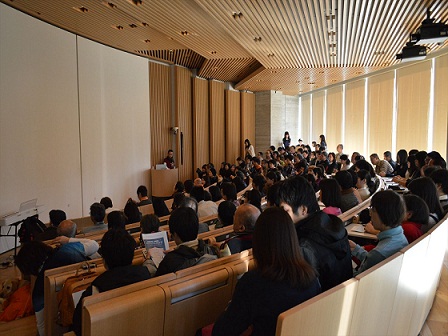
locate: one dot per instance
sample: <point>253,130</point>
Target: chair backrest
<point>326,314</point>
<point>409,284</point>
<point>146,209</point>
<point>375,297</point>
<point>82,222</point>
<point>169,203</point>
<point>136,313</point>
<point>196,300</point>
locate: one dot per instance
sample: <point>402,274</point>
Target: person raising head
<point>281,279</point>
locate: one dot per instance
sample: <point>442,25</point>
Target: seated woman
<point>330,196</point>
<point>333,165</point>
<point>363,184</point>
<point>417,215</point>
<point>228,190</point>
<point>387,212</point>
<point>281,280</point>
<point>132,213</point>
<point>427,190</point>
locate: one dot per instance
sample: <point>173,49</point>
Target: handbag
<point>78,282</point>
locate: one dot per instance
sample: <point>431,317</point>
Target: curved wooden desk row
<point>392,298</point>
<point>55,278</point>
<point>115,312</point>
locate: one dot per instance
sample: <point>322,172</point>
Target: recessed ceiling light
<point>109,4</point>
<point>147,40</point>
<point>184,33</point>
<point>170,51</point>
<point>144,24</point>
<point>133,25</point>
<point>136,2</point>
<point>257,38</point>
<point>271,55</point>
<point>237,15</point>
<point>213,52</point>
<point>118,27</point>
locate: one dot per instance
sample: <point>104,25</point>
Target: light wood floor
<point>436,324</point>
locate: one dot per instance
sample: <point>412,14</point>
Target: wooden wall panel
<point>184,120</point>
<point>318,115</point>
<point>201,126</point>
<point>334,117</point>
<point>413,84</point>
<point>354,117</point>
<point>217,122</point>
<point>380,113</point>
<point>160,111</point>
<point>439,140</point>
<point>233,122</point>
<point>247,119</point>
<point>305,129</point>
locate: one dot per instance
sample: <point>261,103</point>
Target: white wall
<point>114,113</point>
<point>74,119</point>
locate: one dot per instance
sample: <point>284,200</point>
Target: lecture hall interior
<point>90,91</point>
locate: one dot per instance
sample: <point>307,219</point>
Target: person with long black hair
<point>281,279</point>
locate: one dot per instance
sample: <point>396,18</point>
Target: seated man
<point>66,238</point>
<point>244,224</point>
<point>190,202</point>
<point>190,251</point>
<point>322,238</point>
<point>56,217</point>
<point>117,247</point>
<point>97,214</point>
<point>226,211</point>
<point>142,194</point>
<point>382,167</point>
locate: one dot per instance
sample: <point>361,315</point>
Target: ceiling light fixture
<point>257,39</point>
<point>430,32</point>
<point>237,15</point>
<point>412,52</point>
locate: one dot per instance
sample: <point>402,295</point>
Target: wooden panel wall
<point>201,126</point>
<point>160,111</point>
<point>354,117</point>
<point>380,113</point>
<point>217,122</point>
<point>233,122</point>
<point>305,133</point>
<point>413,84</point>
<point>334,118</point>
<point>318,115</point>
<point>247,119</point>
<point>184,120</point>
<point>439,140</point>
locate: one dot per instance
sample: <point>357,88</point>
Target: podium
<point>163,182</point>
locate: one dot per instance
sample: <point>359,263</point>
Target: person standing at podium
<point>169,160</point>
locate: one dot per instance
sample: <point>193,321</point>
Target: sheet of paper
<point>358,228</point>
<point>157,255</point>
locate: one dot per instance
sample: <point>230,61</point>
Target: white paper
<point>358,228</point>
<point>157,255</point>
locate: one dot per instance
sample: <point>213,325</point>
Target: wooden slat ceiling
<point>284,45</point>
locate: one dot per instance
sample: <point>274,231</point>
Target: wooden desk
<point>353,233</point>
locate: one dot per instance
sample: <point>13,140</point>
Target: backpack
<point>30,228</point>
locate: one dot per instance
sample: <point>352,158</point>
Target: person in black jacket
<point>117,247</point>
<point>322,238</point>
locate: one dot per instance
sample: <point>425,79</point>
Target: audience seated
<point>322,238</point>
<point>272,198</point>
<point>253,197</point>
<point>427,190</point>
<point>34,258</point>
<point>382,167</point>
<point>387,212</point>
<point>440,178</point>
<point>116,220</point>
<point>401,163</point>
<point>388,157</point>
<point>282,279</point>
<point>258,183</point>
<point>183,224</point>
<point>66,235</point>
<point>348,197</point>
<point>205,208</point>
<point>97,214</point>
<point>190,202</point>
<point>177,199</point>
<point>345,162</point>
<point>188,185</point>
<point>142,194</point>
<point>226,211</point>
<point>117,248</point>
<point>132,213</point>
<point>56,217</point>
<point>417,215</point>
<point>243,227</point>
<point>229,192</point>
<point>179,187</point>
<point>107,202</point>
<point>215,192</point>
<point>160,208</point>
<point>330,196</point>
<point>364,184</point>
